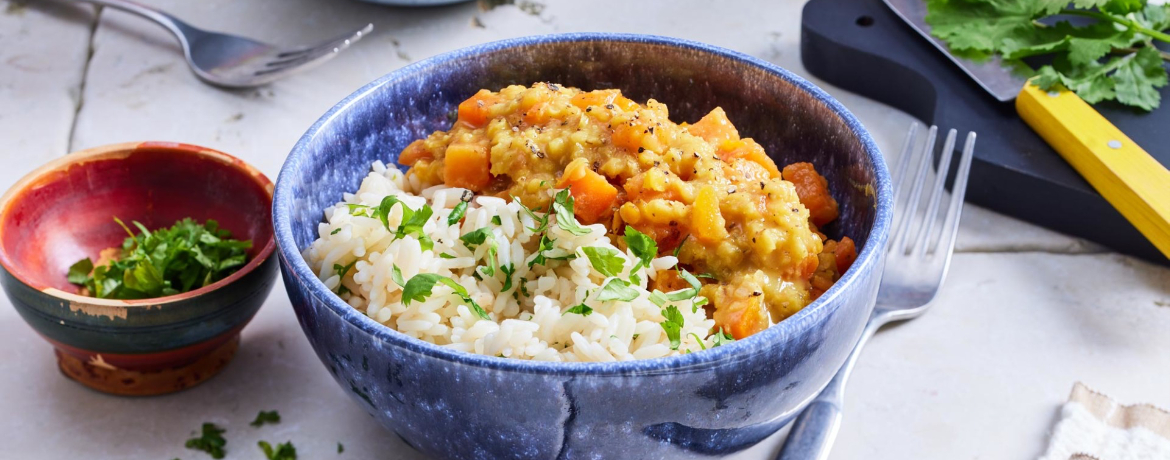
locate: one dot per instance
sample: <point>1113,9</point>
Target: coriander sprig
<point>1113,58</point>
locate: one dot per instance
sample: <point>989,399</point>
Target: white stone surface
<point>981,376</point>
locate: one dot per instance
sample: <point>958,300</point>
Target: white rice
<point>533,326</point>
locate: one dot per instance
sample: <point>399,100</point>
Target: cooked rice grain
<point>532,326</point>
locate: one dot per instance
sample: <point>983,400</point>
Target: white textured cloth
<point>1095,427</point>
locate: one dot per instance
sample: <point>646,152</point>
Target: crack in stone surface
<point>93,27</point>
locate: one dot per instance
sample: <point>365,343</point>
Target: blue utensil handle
<point>813,432</point>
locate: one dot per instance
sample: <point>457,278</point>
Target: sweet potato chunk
<point>476,110</point>
<point>715,128</point>
<point>417,150</point>
<point>813,190</point>
<point>593,195</point>
<point>467,166</point>
<point>845,254</point>
<point>707,222</point>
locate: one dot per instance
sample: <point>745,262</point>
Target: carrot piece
<point>813,190</point>
<point>601,98</point>
<point>715,128</point>
<point>749,150</point>
<point>741,316</point>
<point>467,166</point>
<point>417,150</point>
<point>474,112</point>
<point>536,115</point>
<point>593,195</point>
<point>706,220</point>
<point>845,254</point>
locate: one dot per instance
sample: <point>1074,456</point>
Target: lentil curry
<point>698,189</point>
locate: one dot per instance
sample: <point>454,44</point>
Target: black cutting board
<point>863,47</point>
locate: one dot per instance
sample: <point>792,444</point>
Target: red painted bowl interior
<point>67,214</point>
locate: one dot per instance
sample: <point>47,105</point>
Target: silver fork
<point>237,62</point>
<point>915,268</point>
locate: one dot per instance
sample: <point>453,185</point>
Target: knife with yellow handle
<point>1132,180</point>
<point>1128,177</point>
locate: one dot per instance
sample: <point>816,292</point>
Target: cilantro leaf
<point>457,213</point>
<point>1138,77</point>
<point>166,261</point>
<point>566,220</point>
<point>721,338</point>
<point>580,309</point>
<point>1110,58</point>
<point>508,269</point>
<point>541,221</point>
<point>270,417</point>
<point>474,238</point>
<point>496,220</point>
<point>396,276</point>
<point>421,286</point>
<point>606,261</point>
<point>79,272</point>
<point>617,289</point>
<point>283,451</point>
<point>643,247</point>
<point>673,326</point>
<point>210,441</point>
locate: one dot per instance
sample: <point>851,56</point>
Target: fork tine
<point>907,152</point>
<point>950,228</point>
<point>340,38</point>
<point>313,54</point>
<point>940,179</point>
<point>910,206</point>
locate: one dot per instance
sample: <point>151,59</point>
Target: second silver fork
<point>917,259</point>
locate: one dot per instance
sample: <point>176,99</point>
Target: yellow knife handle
<point>1132,180</point>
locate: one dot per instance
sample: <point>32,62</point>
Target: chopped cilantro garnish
<point>563,207</point>
<point>496,220</point>
<point>335,231</point>
<point>341,271</point>
<point>283,451</point>
<point>721,338</point>
<point>457,213</point>
<point>643,247</point>
<point>263,417</point>
<point>658,298</point>
<point>683,294</point>
<point>476,237</point>
<point>546,252</point>
<point>490,268</point>
<point>673,325</point>
<point>167,261</point>
<point>617,289</point>
<point>699,340</point>
<point>421,286</point>
<point>541,222</point>
<point>446,256</point>
<point>678,249</point>
<point>211,441</point>
<point>606,261</point>
<point>396,276</point>
<point>508,269</point>
<point>707,275</point>
<point>698,302</point>
<point>79,272</point>
<point>580,309</point>
<point>634,278</point>
<point>340,448</point>
<point>412,220</point>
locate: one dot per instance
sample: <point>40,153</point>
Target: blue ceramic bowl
<point>455,405</point>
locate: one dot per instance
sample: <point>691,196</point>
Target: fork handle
<point>179,28</point>
<point>815,429</point>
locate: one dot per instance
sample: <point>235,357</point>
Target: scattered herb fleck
<point>270,417</point>
<point>457,213</point>
<point>421,286</point>
<point>211,441</point>
<point>617,289</point>
<point>580,309</point>
<point>673,325</point>
<point>283,451</point>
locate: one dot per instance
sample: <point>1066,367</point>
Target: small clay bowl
<point>63,212</point>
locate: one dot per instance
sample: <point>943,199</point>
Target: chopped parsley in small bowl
<point>139,262</point>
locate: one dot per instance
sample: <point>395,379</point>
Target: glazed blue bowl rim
<point>868,259</point>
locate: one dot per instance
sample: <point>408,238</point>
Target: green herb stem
<point>1119,20</point>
